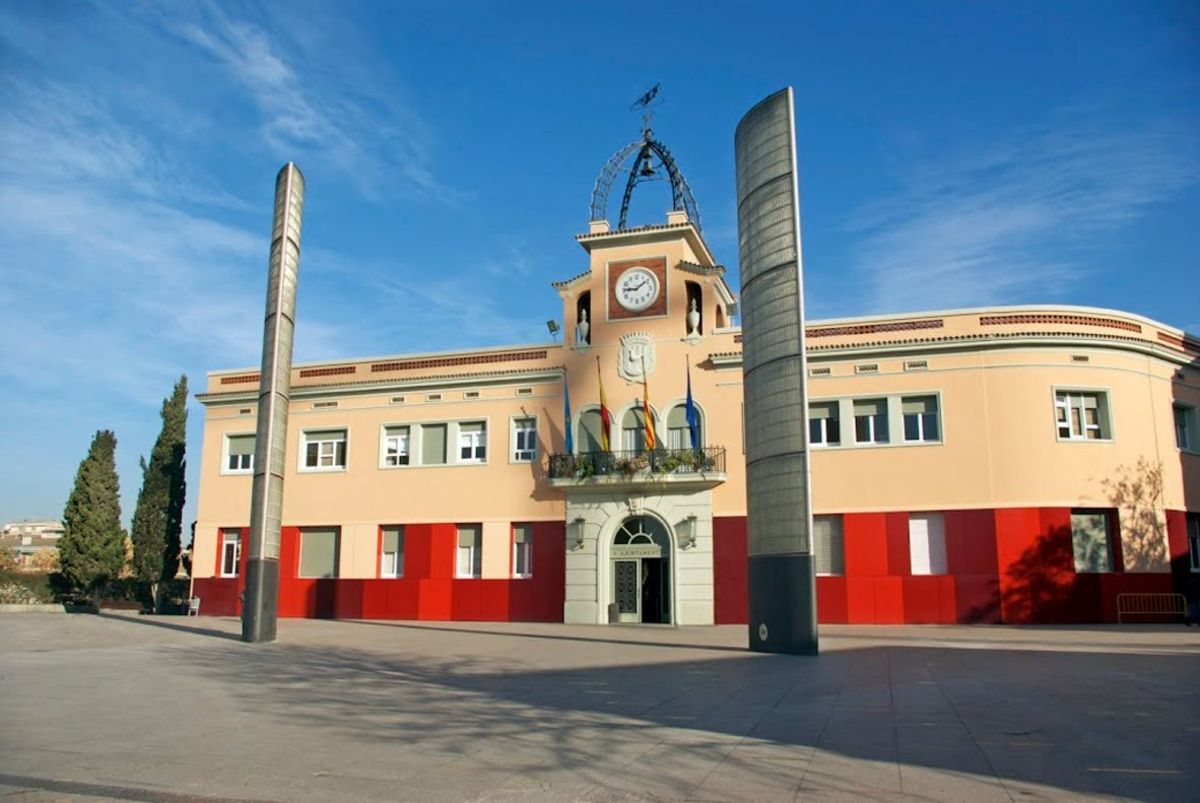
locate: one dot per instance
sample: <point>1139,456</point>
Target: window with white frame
<point>324,450</point>
<point>469,561</point>
<point>1193,532</point>
<point>633,431</point>
<point>231,552</point>
<point>1081,415</point>
<point>1091,541</point>
<point>433,444</point>
<point>522,550</point>
<point>920,419</point>
<point>824,426</point>
<point>679,434</point>
<point>1185,428</point>
<point>927,543</point>
<point>591,427</point>
<point>524,440</point>
<point>391,559</point>
<point>395,446</point>
<point>239,454</point>
<point>870,421</point>
<point>828,546</point>
<point>472,442</point>
<point>319,552</point>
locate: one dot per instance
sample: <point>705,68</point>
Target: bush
<point>18,588</point>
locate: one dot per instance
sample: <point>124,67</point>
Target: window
<point>433,444</point>
<point>395,446</point>
<point>472,442</point>
<point>231,552</point>
<point>920,419</point>
<point>524,440</point>
<point>633,434</point>
<point>827,545</point>
<point>1081,415</point>
<point>1193,531</point>
<point>319,552</point>
<point>824,426</point>
<point>927,543</point>
<point>590,427</point>
<point>470,557</point>
<point>391,563</point>
<point>679,435</point>
<point>1185,428</point>
<point>1090,541</point>
<point>324,450</point>
<point>870,421</point>
<point>522,550</point>
<point>239,451</point>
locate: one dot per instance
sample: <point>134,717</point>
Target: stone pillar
<point>781,577</point>
<point>261,603</point>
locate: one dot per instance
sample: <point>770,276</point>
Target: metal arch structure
<point>681,193</point>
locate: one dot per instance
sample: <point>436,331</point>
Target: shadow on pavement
<point>1116,726</point>
<point>149,621</point>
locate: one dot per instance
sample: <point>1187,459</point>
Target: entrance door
<point>654,588</point>
<point>641,589</point>
<point>626,590</point>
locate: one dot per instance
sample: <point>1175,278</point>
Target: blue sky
<point>951,154</point>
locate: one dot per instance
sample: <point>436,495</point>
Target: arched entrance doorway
<point>641,571</point>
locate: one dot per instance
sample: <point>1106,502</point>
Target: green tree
<point>158,517</point>
<point>92,550</point>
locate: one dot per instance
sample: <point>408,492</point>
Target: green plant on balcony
<point>584,467</point>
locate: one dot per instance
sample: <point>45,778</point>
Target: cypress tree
<point>158,517</point>
<point>91,551</point>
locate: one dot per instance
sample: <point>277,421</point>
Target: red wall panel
<point>831,600</point>
<point>866,545</point>
<point>729,570</point>
<point>899,561</point>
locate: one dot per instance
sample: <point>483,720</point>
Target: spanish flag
<point>605,417</point>
<point>647,415</point>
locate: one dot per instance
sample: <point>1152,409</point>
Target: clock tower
<point>640,324</point>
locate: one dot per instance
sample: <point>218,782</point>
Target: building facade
<point>1015,464</point>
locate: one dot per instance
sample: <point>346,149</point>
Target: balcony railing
<point>706,460</point>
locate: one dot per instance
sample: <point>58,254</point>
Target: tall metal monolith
<point>781,580</point>
<point>261,602</point>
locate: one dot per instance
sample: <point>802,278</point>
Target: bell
<point>647,167</point>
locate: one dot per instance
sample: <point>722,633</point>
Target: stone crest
<point>637,349</point>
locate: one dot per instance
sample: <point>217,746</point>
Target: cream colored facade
<point>996,375</point>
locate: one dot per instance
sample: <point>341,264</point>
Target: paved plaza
<point>171,709</point>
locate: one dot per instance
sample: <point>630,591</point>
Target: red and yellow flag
<point>605,417</point>
<point>647,415</point>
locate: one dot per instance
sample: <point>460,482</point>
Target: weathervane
<point>646,104</point>
<point>642,169</point>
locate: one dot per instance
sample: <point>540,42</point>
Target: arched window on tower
<point>720,322</point>
<point>590,426</point>
<point>678,434</point>
<point>583,319</point>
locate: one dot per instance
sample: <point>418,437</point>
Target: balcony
<point>695,468</point>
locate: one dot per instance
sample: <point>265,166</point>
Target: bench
<point>1147,604</point>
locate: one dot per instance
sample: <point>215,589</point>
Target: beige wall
<point>995,372</point>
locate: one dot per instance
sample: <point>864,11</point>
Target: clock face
<point>637,289</point>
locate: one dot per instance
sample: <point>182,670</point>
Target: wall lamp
<point>687,532</point>
<point>577,533</point>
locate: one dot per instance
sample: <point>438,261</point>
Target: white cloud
<point>1005,222</point>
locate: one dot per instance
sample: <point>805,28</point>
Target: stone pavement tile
<point>830,771</point>
<point>939,783</point>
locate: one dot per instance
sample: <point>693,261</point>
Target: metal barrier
<point>659,461</point>
<point>1146,604</point>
